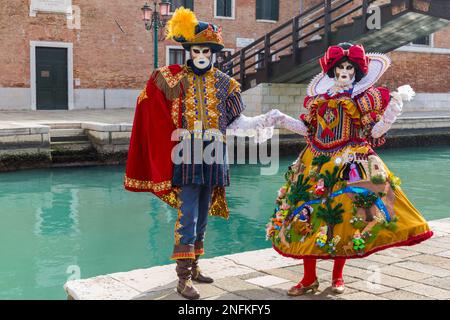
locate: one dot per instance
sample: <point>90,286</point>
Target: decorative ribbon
<point>355,54</point>
<point>358,190</point>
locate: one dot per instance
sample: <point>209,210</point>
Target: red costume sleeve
<point>372,103</point>
<point>149,165</point>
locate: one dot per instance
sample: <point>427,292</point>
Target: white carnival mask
<point>344,74</point>
<point>201,56</point>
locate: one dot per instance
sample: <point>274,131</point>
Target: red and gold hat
<point>184,28</point>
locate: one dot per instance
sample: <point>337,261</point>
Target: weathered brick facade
<point>425,72</point>
<point>112,50</point>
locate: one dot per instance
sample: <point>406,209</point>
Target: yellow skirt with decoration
<point>348,205</point>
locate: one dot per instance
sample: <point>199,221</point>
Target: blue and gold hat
<point>184,28</point>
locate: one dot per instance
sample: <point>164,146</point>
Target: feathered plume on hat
<point>187,30</point>
<point>182,25</point>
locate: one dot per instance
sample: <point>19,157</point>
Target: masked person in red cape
<point>184,111</point>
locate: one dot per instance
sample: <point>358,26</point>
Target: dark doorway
<point>51,79</point>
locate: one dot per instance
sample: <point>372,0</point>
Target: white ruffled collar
<point>378,65</point>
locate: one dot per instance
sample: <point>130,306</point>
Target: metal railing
<point>287,37</point>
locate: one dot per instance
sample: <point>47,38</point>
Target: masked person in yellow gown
<point>340,200</point>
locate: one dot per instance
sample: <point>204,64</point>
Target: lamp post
<point>155,19</point>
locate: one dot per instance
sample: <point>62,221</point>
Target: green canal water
<point>62,223</point>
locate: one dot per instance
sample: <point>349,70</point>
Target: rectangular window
<point>267,10</point>
<point>177,56</point>
<point>224,8</point>
<point>189,4</point>
<point>423,41</point>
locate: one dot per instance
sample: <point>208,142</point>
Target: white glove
<point>406,92</point>
<point>259,127</point>
<point>393,110</point>
<point>287,122</point>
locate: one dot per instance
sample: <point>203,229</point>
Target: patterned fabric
<point>372,104</point>
<point>157,115</point>
<point>192,218</point>
<point>211,103</point>
<point>333,123</point>
<point>340,200</point>
<point>337,121</point>
<point>215,174</point>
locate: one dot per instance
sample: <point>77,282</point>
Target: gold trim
<point>172,80</point>
<point>219,206</point>
<point>147,185</point>
<point>171,198</point>
<point>235,86</point>
<point>183,255</point>
<point>143,95</point>
<point>207,36</point>
<point>175,110</point>
<point>172,85</point>
<point>178,226</point>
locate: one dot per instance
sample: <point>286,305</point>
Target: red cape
<point>149,166</point>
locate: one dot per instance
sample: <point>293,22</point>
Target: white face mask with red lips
<point>201,56</point>
<point>344,74</point>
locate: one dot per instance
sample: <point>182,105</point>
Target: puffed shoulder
<point>373,100</point>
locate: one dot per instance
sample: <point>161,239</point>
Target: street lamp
<point>155,19</point>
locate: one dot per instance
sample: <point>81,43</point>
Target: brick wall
<point>425,72</point>
<point>112,48</point>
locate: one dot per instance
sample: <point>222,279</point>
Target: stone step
<point>66,132</point>
<point>63,125</point>
<point>70,146</point>
<point>69,139</point>
<point>68,135</point>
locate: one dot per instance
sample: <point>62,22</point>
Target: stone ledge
<point>16,128</point>
<point>106,127</point>
<point>100,126</point>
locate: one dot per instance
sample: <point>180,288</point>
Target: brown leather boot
<point>197,274</point>
<point>185,286</point>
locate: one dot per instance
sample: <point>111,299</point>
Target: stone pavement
<point>407,273</point>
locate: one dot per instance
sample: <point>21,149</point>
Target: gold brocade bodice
<point>201,102</point>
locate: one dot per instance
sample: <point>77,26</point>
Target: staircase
<point>289,53</point>
<point>68,140</point>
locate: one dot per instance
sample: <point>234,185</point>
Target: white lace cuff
<point>291,124</point>
<point>259,127</point>
<point>393,110</point>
